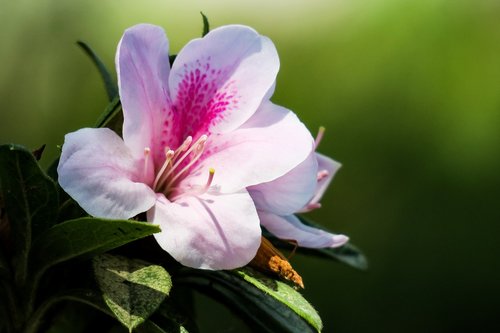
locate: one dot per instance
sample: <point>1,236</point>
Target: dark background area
<point>409,92</point>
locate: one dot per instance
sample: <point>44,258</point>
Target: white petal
<point>290,228</point>
<point>269,145</point>
<point>98,171</point>
<point>289,193</point>
<point>331,167</point>
<point>211,231</point>
<point>143,68</point>
<point>218,81</point>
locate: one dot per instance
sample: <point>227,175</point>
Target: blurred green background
<point>409,92</point>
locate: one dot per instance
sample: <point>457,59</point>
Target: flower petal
<point>331,167</point>
<point>98,171</point>
<point>143,68</point>
<point>211,231</point>
<point>290,228</point>
<point>289,193</point>
<point>266,147</point>
<point>219,81</point>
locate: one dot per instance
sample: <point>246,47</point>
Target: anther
<point>184,146</point>
<point>211,173</point>
<point>169,154</point>
<point>198,146</point>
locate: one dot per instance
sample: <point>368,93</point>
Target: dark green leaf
<point>265,302</point>
<point>171,59</point>
<point>4,266</point>
<point>347,254</point>
<point>206,26</point>
<point>30,202</point>
<point>4,312</point>
<point>169,318</point>
<point>109,83</point>
<point>74,317</point>
<point>112,116</point>
<point>285,294</point>
<point>151,327</point>
<point>85,237</point>
<point>133,289</point>
<point>52,169</point>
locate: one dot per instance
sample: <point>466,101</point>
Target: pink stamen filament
<point>201,140</point>
<point>147,152</point>
<point>185,145</point>
<point>200,146</point>
<point>197,191</point>
<point>169,174</point>
<point>160,179</point>
<point>319,136</point>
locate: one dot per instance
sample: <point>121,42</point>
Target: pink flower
<point>298,191</point>
<point>195,137</point>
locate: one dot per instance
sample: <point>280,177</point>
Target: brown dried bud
<point>270,260</point>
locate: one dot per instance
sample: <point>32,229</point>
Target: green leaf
<point>171,59</point>
<point>90,298</point>
<point>4,312</point>
<point>133,289</point>
<point>285,294</point>
<point>271,305</point>
<point>112,115</point>
<point>109,83</point>
<point>347,254</point>
<point>30,202</point>
<point>206,25</point>
<point>169,318</point>
<point>4,266</point>
<point>85,237</point>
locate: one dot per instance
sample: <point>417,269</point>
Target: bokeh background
<point>409,92</point>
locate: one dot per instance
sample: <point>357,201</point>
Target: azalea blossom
<point>299,191</point>
<point>195,137</point>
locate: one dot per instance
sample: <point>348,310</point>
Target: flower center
<point>176,166</point>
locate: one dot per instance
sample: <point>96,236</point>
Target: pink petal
<point>143,68</point>
<point>289,193</point>
<point>290,228</point>
<point>331,167</point>
<point>210,231</point>
<point>266,147</point>
<point>218,82</point>
<point>98,171</point>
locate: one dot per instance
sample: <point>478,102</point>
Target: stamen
<point>211,173</point>
<point>201,141</point>
<point>169,153</point>
<point>198,190</point>
<point>147,152</point>
<point>185,145</point>
<point>319,136</point>
<point>322,174</point>
<point>199,146</point>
